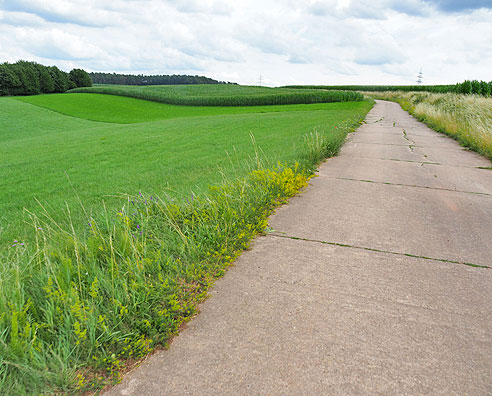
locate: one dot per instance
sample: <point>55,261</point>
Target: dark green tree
<point>80,78</point>
<point>46,83</point>
<point>60,79</point>
<point>9,82</point>
<point>28,76</point>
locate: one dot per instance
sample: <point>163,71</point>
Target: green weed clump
<point>76,308</point>
<point>224,95</point>
<point>466,118</point>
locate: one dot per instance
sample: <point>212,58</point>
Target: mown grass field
<point>148,203</point>
<point>53,158</point>
<point>224,95</point>
<point>128,110</point>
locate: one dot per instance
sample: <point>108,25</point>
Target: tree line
<point>31,78</point>
<point>140,79</point>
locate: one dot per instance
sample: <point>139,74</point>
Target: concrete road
<point>373,282</point>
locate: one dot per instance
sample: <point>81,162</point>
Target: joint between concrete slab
<point>410,185</point>
<point>386,144</point>
<point>278,234</point>
<point>409,161</point>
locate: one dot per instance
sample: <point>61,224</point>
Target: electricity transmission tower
<point>259,80</point>
<point>420,77</point>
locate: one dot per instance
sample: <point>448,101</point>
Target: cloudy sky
<point>284,41</point>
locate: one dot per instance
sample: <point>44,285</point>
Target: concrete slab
<point>411,172</point>
<point>381,151</point>
<point>449,156</point>
<point>302,318</point>
<point>420,221</point>
<point>435,141</point>
<point>379,138</point>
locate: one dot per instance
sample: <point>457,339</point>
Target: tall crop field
<point>224,95</point>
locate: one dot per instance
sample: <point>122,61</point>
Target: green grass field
<point>53,158</point>
<point>114,275</point>
<point>224,95</point>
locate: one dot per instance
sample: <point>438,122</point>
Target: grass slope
<point>127,110</point>
<point>53,158</point>
<point>81,296</point>
<point>223,95</point>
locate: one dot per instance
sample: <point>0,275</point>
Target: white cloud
<point>317,41</point>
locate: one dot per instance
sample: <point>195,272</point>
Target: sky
<point>285,41</point>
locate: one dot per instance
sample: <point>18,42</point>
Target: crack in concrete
<point>457,148</point>
<point>412,143</point>
<point>279,234</point>
<point>384,144</point>
<point>411,161</point>
<point>422,163</point>
<point>409,185</point>
<point>375,122</point>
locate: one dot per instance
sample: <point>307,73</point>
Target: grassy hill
<point>128,110</point>
<point>146,204</point>
<point>58,159</point>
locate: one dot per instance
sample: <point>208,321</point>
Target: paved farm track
<point>376,280</point>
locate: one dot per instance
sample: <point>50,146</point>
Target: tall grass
<point>224,95</point>
<point>466,118</point>
<point>76,308</point>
